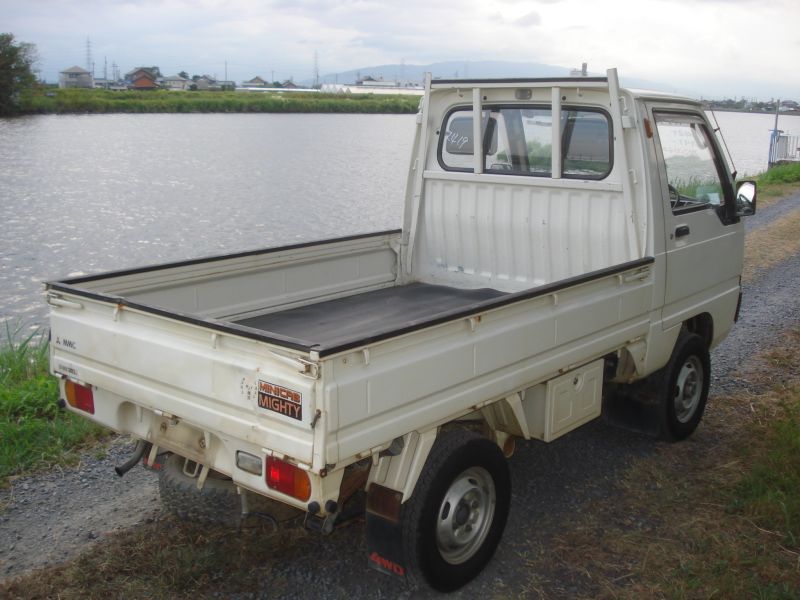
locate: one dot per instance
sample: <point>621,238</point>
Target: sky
<point>711,48</point>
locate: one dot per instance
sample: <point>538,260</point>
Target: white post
<point>555,112</point>
<point>477,131</point>
<point>621,158</point>
<point>417,181</point>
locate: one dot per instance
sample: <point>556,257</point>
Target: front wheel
<point>454,520</point>
<point>685,387</point>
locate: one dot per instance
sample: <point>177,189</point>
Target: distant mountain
<point>487,69</point>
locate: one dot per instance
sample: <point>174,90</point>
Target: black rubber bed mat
<point>367,316</point>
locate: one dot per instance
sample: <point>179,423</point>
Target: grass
<point>715,517</point>
<point>161,101</point>
<point>34,432</point>
<point>168,560</point>
<point>771,244</point>
<point>777,182</point>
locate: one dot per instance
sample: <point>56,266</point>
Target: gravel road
<point>51,517</point>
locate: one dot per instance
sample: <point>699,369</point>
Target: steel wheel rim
<point>465,515</point>
<point>688,389</point>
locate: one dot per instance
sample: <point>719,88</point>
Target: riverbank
<point>36,434</point>
<point>80,101</point>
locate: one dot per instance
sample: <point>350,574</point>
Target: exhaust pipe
<point>138,452</point>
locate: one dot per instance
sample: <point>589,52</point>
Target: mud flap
<point>384,531</point>
<point>632,415</point>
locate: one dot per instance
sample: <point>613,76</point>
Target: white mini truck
<point>590,242</point>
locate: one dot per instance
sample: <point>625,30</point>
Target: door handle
<point>682,231</point>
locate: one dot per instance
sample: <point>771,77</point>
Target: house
<point>256,82</point>
<point>289,85</point>
<point>206,82</point>
<point>176,82</point>
<point>141,79</point>
<point>380,82</point>
<point>75,77</point>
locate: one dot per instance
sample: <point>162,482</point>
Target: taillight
<point>80,396</point>
<point>288,479</point>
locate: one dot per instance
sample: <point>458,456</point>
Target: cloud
<point>530,20</point>
<point>252,36</point>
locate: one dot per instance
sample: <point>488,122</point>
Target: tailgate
<point>201,392</point>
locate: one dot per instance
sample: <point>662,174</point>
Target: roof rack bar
<point>583,82</point>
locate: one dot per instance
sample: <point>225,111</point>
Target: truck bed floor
<point>365,316</point>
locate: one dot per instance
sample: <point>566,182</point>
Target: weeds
<point>771,244</point>
<point>167,560</point>
<point>717,516</point>
<point>34,432</point>
<point>785,173</point>
<point>769,494</point>
<point>776,183</point>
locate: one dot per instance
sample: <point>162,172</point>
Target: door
<point>703,236</point>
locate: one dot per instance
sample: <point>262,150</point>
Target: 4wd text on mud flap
<point>387,564</point>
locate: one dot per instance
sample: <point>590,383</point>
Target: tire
<point>217,503</point>
<point>684,388</point>
<point>456,516</point>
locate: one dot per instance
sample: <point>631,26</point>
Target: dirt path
<point>51,517</point>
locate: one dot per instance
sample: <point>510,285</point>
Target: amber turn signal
<point>80,396</point>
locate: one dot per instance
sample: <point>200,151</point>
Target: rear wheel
<point>454,521</point>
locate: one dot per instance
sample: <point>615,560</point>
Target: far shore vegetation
<point>82,101</point>
<point>17,79</point>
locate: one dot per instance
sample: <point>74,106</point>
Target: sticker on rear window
<point>280,400</point>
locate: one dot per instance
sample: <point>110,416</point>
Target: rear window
<point>518,141</point>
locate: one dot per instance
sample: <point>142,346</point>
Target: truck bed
<point>363,317</point>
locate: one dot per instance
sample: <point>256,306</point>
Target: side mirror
<point>746,198</point>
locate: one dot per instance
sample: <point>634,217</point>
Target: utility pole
<point>316,69</point>
<point>226,70</point>
<point>89,63</point>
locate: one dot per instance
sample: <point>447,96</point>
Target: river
<point>89,193</point>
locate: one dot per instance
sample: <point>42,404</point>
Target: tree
<point>183,74</point>
<point>16,72</point>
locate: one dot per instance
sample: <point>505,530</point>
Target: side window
<point>524,146</point>
<point>587,147</point>
<point>518,141</point>
<point>692,176</point>
<point>458,146</point>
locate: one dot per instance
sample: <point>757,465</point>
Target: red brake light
<point>288,479</point>
<point>80,397</point>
